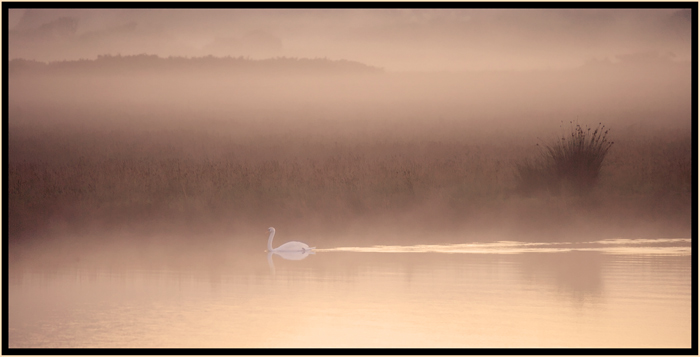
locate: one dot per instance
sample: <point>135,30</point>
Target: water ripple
<point>660,246</point>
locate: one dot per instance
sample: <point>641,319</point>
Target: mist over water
<point>149,150</point>
<point>331,150</point>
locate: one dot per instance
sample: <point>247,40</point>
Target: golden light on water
<point>609,246</point>
<point>413,297</point>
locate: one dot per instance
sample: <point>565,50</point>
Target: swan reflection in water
<point>291,250</point>
<point>288,256</point>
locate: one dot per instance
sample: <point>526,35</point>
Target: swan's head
<point>271,230</point>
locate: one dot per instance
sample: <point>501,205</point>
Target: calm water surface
<point>610,293</point>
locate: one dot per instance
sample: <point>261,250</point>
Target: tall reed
<point>572,163</point>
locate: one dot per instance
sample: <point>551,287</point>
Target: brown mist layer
<point>397,39</point>
<point>412,156</point>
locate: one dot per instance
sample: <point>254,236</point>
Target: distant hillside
<point>153,64</point>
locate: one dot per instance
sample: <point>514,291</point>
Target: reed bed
<point>185,179</point>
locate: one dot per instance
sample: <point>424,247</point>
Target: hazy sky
<point>396,39</point>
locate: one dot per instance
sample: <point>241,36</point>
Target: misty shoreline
<point>407,155</point>
<point>64,183</point>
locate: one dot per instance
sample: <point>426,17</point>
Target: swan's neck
<point>269,241</point>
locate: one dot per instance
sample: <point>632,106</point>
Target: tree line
<point>154,63</point>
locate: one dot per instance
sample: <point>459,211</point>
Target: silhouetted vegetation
<point>68,179</point>
<point>152,64</point>
<point>571,164</point>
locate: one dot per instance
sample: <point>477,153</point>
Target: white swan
<point>289,247</point>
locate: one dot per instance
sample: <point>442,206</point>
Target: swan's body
<point>289,247</point>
